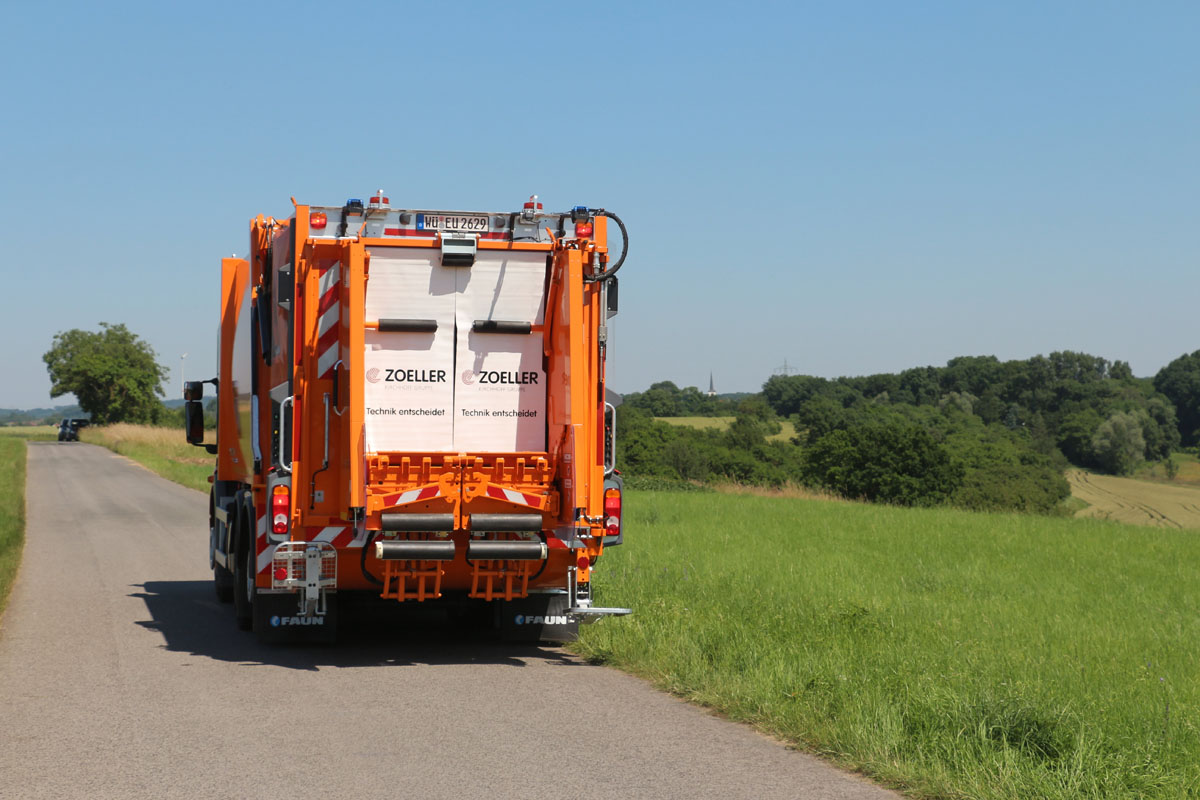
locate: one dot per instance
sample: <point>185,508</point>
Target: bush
<point>1011,487</point>
<point>890,463</point>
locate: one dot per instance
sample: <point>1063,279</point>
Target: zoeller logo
<point>470,376</point>
<point>538,619</point>
<point>416,375</point>
<point>406,375</point>
<point>283,622</point>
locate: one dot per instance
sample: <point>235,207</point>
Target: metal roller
<point>505,522</point>
<point>414,551</point>
<point>509,551</point>
<point>418,523</point>
<point>501,326</point>
<point>407,325</point>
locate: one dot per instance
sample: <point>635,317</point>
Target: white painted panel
<point>408,377</point>
<point>499,380</point>
<point>500,392</point>
<point>508,286</point>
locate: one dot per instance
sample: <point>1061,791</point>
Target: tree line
<point>977,433</point>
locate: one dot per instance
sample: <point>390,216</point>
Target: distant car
<point>68,429</point>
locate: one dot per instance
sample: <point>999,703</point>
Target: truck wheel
<point>243,585</point>
<point>223,584</point>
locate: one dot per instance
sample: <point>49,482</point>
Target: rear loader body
<point>412,405</point>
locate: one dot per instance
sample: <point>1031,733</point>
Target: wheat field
<point>1136,502</point>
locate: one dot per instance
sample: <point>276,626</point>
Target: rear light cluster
<point>612,512</point>
<point>317,220</point>
<point>281,503</point>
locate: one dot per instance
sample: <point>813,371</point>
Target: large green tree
<point>1180,382</point>
<point>1119,444</point>
<point>113,373</point>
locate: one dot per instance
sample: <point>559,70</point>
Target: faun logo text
<point>283,622</point>
<point>538,619</point>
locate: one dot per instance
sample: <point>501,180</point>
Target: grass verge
<point>949,653</point>
<point>162,450</point>
<point>12,500</point>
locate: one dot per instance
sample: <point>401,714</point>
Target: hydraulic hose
<point>362,561</point>
<point>611,271</point>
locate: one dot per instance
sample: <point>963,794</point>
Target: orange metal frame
<point>564,484</point>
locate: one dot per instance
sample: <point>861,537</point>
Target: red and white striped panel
<point>264,549</point>
<point>520,498</point>
<point>340,536</point>
<point>411,496</point>
<point>337,535</point>
<point>329,310</point>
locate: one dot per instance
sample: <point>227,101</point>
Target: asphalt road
<point>121,676</point>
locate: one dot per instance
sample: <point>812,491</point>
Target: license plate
<point>464,223</point>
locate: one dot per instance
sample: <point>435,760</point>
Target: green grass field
<point>722,424</point>
<point>949,653</point>
<point>12,499</point>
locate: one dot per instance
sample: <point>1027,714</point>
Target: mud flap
<point>277,618</point>
<point>537,618</point>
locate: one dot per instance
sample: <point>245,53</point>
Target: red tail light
<point>612,512</point>
<point>317,220</point>
<point>281,503</point>
<point>583,230</point>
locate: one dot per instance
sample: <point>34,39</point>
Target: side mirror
<point>193,390</point>
<point>193,420</point>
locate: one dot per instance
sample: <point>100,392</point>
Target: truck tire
<point>243,579</point>
<point>222,577</point>
<point>223,584</point>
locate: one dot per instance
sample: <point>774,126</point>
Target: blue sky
<point>848,187</point>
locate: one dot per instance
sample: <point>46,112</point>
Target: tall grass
<point>162,450</point>
<point>949,653</point>
<point>12,500</point>
<point>12,511</point>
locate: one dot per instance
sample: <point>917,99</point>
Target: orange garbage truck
<point>411,407</point>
